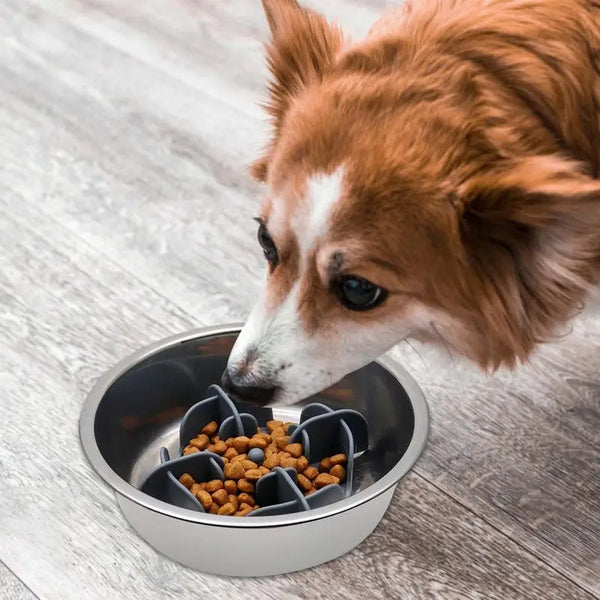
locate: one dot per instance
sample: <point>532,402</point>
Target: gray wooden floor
<point>125,128</point>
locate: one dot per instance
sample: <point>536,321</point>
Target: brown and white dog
<point>436,181</point>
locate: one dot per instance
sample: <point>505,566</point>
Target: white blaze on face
<point>273,349</point>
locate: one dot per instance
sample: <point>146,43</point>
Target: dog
<point>434,181</point>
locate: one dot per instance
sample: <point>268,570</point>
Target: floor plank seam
<point>19,579</point>
<point>504,534</point>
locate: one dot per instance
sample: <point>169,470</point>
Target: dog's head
<point>390,215</point>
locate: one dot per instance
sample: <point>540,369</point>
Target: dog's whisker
<point>446,344</point>
<point>405,340</point>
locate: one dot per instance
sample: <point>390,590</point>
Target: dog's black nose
<point>247,393</point>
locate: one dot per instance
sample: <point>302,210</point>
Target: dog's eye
<point>357,293</point>
<point>267,244</point>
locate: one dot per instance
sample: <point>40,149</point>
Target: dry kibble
<point>195,488</point>
<point>288,462</point>
<point>245,486</point>
<point>271,461</point>
<point>213,486</point>
<point>257,442</point>
<point>239,458</point>
<point>301,464</point>
<point>230,453</point>
<point>264,470</point>
<point>205,499</point>
<point>221,497</point>
<point>231,486</point>
<point>248,464</point>
<point>311,491</point>
<point>264,436</point>
<point>310,472</point>
<point>325,465</point>
<point>190,450</point>
<point>214,439</point>
<point>229,442</point>
<point>338,471</point>
<point>214,508</point>
<point>240,443</point>
<point>246,499</point>
<point>233,500</point>
<point>210,429</point>
<point>286,426</point>
<point>271,449</point>
<point>203,485</point>
<point>294,450</point>
<point>277,433</point>
<point>187,480</point>
<point>220,447</point>
<point>243,512</point>
<point>282,442</point>
<point>234,470</point>
<point>273,425</point>
<point>304,483</point>
<point>226,509</point>
<point>253,474</point>
<point>338,459</point>
<point>201,442</point>
<point>324,479</point>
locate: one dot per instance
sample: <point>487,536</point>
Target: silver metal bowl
<point>136,408</point>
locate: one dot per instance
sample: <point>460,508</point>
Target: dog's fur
<point>451,158</point>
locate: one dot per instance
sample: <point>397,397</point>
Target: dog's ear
<point>302,49</point>
<point>531,232</point>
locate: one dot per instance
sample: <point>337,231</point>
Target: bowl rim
<point>124,488</point>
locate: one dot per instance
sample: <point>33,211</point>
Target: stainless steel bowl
<point>136,407</point>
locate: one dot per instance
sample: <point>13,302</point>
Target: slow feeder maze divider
<point>322,431</point>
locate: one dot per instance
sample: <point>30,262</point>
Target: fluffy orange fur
<point>470,138</point>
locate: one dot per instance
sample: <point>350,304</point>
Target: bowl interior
<point>142,409</point>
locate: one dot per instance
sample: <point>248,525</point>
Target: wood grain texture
<point>12,588</point>
<point>125,216</point>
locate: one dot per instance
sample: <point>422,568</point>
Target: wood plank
<point>11,587</point>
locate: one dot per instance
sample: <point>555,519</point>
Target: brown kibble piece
<point>264,436</point>
<point>294,450</point>
<point>205,499</point>
<point>304,483</point>
<point>243,512</point>
<point>282,442</point>
<point>213,486</point>
<point>257,442</point>
<point>202,485</point>
<point>245,486</point>
<point>240,443</point>
<point>214,508</point>
<point>230,453</point>
<point>310,472</point>
<point>195,488</point>
<point>264,470</point>
<point>253,474</point>
<point>190,450</point>
<point>311,491</point>
<point>273,425</point>
<point>220,447</point>
<point>248,464</point>
<point>201,442</point>
<point>338,459</point>
<point>187,480</point>
<point>239,457</point>
<point>287,462</point>
<point>324,479</point>
<point>226,509</point>
<point>301,464</point>
<point>271,449</point>
<point>231,486</point>
<point>271,461</point>
<point>233,500</point>
<point>338,471</point>
<point>286,427</point>
<point>325,465</point>
<point>234,470</point>
<point>277,433</point>
<point>247,499</point>
<point>210,429</point>
<point>221,497</point>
